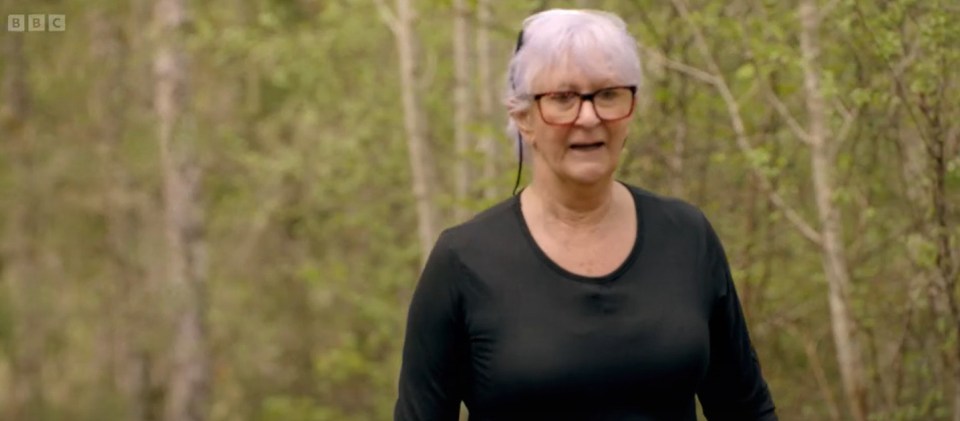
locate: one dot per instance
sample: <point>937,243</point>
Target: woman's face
<point>584,152</point>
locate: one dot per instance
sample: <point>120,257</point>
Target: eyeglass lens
<point>564,107</point>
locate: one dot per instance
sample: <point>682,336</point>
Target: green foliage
<point>311,224</point>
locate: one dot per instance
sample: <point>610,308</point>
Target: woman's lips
<point>587,146</point>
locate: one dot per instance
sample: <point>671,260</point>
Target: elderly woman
<point>581,298</point>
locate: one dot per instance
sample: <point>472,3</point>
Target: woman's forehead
<point>574,78</point>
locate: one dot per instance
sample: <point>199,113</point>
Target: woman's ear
<point>524,126</point>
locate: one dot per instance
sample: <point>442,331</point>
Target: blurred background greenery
<point>217,210</point>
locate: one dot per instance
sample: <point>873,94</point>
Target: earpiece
<point>519,136</point>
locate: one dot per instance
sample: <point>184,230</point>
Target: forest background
<point>218,210</point>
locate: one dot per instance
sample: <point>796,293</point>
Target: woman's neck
<point>573,205</point>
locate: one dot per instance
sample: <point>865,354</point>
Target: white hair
<point>560,37</point>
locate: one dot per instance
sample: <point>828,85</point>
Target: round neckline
<point>616,273</point>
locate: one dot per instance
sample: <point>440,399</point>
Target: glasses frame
<point>588,97</point>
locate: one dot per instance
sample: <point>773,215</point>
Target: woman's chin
<point>589,174</point>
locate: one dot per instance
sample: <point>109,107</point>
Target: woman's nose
<point>588,114</point>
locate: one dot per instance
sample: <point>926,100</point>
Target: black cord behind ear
<point>513,85</point>
<point>519,164</point>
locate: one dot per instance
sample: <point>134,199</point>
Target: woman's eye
<point>608,94</point>
<point>563,96</point>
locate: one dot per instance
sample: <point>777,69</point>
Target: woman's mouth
<point>586,147</point>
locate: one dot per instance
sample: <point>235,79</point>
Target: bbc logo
<point>36,23</point>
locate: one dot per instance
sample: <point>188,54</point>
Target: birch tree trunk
<point>188,388</point>
<point>485,98</point>
<point>20,249</point>
<point>463,112</point>
<point>418,150</point>
<point>822,152</point>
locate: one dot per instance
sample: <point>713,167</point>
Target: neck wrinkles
<point>574,206</point>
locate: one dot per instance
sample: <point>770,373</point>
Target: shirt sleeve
<point>734,388</point>
<point>431,380</point>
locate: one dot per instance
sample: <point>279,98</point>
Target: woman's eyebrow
<point>565,87</point>
<point>585,89</point>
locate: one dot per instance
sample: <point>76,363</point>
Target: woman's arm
<point>734,388</point>
<point>431,376</point>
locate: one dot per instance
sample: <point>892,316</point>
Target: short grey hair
<point>560,36</point>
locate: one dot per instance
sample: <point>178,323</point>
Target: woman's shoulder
<point>491,225</point>
<point>658,208</point>
<point>670,220</point>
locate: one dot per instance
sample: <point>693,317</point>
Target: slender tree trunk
<point>486,98</point>
<point>819,374</point>
<point>926,152</point>
<point>124,347</point>
<point>188,389</point>
<point>946,260</point>
<point>421,163</point>
<point>921,192</point>
<point>680,134</point>
<point>832,250</point>
<point>675,161</point>
<point>946,275</point>
<point>20,248</point>
<point>748,254</point>
<point>463,111</point>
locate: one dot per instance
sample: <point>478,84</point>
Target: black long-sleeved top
<point>497,324</point>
